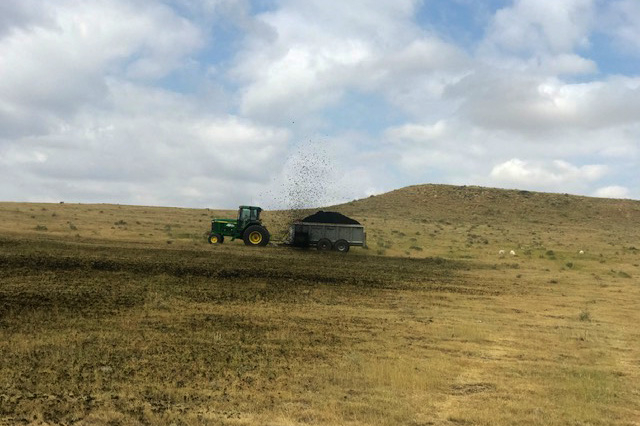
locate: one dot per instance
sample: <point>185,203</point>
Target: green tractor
<point>248,226</point>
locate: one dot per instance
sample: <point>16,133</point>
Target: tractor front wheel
<point>216,239</point>
<point>256,235</point>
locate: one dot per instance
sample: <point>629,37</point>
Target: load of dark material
<point>330,217</point>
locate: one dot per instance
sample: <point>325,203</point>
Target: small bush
<point>585,315</point>
<point>40,228</point>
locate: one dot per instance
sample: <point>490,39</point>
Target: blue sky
<point>216,103</point>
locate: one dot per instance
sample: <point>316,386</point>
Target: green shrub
<point>585,315</point>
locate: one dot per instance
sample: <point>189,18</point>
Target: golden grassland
<point>124,315</point>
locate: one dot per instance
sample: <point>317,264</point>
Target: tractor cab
<point>247,226</point>
<point>248,215</point>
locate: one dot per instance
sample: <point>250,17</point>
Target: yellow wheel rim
<point>214,240</point>
<point>255,237</point>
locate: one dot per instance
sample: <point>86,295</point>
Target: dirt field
<point>103,325</point>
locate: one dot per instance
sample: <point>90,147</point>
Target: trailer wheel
<point>256,235</point>
<point>342,246</point>
<point>216,239</point>
<point>324,245</point>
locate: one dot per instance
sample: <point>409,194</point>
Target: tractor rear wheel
<point>342,246</point>
<point>256,235</point>
<point>216,239</point>
<point>324,245</point>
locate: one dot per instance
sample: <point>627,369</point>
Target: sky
<point>217,103</point>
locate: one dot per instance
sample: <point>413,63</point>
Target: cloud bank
<point>205,103</point>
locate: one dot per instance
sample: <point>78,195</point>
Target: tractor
<point>248,226</point>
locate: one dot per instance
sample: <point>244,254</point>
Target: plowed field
<point>147,333</point>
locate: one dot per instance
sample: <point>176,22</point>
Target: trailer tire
<point>256,235</point>
<point>324,245</point>
<point>341,246</point>
<point>216,239</point>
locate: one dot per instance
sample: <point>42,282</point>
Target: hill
<point>478,205</point>
<point>469,221</point>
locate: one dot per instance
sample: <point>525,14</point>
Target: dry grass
<point>108,324</point>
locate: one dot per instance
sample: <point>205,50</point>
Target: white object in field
<point>501,252</point>
<point>581,252</point>
<point>512,253</point>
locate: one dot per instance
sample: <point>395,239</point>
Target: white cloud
<point>555,174</point>
<point>21,14</point>
<point>541,37</point>
<point>301,81</point>
<point>58,67</point>
<point>320,50</point>
<point>149,146</point>
<point>527,103</point>
<point>542,25</point>
<point>147,102</point>
<point>563,64</point>
<point>614,191</point>
<point>419,133</point>
<point>622,21</point>
<point>453,151</point>
<point>456,153</point>
<point>434,151</point>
